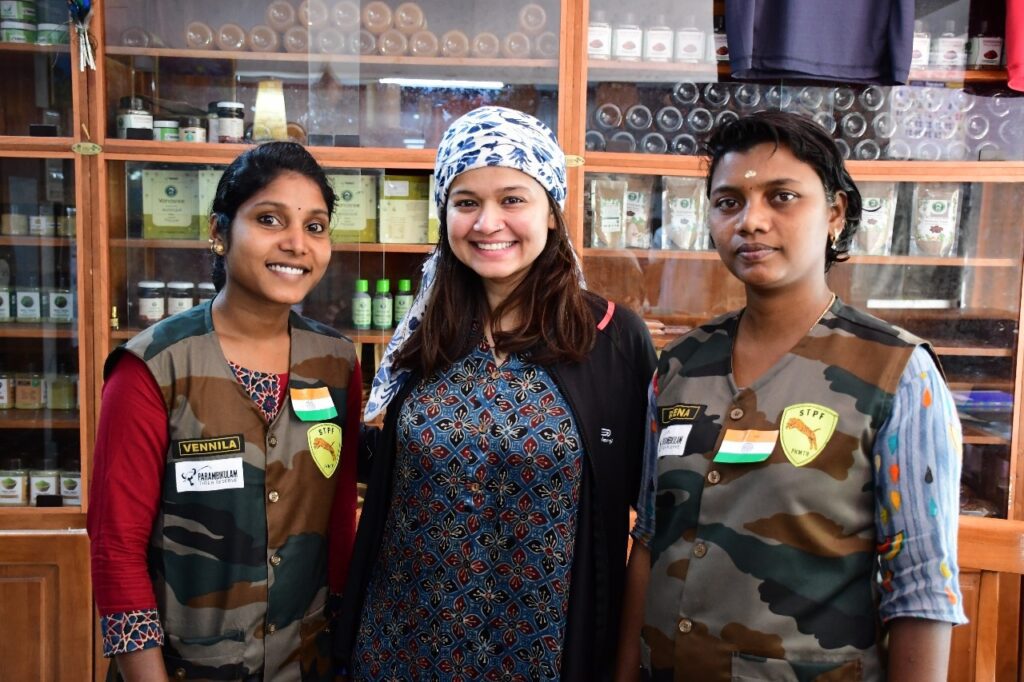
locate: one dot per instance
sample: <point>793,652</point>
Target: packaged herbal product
<point>684,221</point>
<point>874,235</point>
<point>638,211</point>
<point>608,197</point>
<point>935,220</point>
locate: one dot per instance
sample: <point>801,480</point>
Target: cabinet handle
<point>572,160</point>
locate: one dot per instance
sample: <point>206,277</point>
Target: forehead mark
<point>750,174</point>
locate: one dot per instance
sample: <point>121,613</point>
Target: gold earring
<point>216,247</point>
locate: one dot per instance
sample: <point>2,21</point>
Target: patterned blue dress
<point>472,581</point>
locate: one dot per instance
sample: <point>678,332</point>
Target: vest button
<point>700,550</point>
<point>180,673</point>
<point>714,477</point>
<point>271,628</point>
<point>274,496</point>
<point>273,441</point>
<point>275,560</point>
<point>736,413</point>
<point>685,625</point>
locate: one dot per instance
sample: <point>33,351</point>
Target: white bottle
<point>599,36</point>
<point>658,41</point>
<point>690,42</point>
<point>985,51</point>
<point>949,49</point>
<point>627,40</point>
<point>922,46</point>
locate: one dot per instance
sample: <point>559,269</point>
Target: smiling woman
<point>224,493</point>
<point>492,541</point>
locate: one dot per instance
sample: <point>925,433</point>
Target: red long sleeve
<point>343,513</point>
<point>131,446</point>
<point>1015,43</point>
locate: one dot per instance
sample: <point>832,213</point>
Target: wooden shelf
<point>382,248</point>
<point>39,419</point>
<point>670,254</point>
<point>36,241</point>
<point>203,245</point>
<point>41,518</point>
<point>367,335</point>
<point>6,48</point>
<point>14,330</point>
<point>365,67</point>
<point>969,351</point>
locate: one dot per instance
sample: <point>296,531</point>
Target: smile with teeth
<point>287,269</point>
<point>493,246</point>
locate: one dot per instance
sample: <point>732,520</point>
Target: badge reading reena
<point>805,429</point>
<point>325,447</point>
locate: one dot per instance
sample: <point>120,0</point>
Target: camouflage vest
<point>238,552</point>
<point>763,562</point>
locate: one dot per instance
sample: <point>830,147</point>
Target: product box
<point>170,204</point>
<point>355,211</point>
<point>404,201</point>
<point>433,221</point>
<point>208,180</point>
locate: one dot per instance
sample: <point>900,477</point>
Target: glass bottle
<point>382,312</point>
<point>71,483</point>
<point>985,51</point>
<point>948,49</point>
<point>599,36</point>
<point>361,306</point>
<point>658,41</point>
<point>403,299</point>
<point>13,483</point>
<point>44,480</point>
<point>922,46</point>
<point>690,42</point>
<point>627,39</point>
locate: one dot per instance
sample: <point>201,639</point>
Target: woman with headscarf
<point>493,539</point>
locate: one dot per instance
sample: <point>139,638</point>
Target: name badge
<point>746,446</point>
<point>672,441</point>
<point>192,476</point>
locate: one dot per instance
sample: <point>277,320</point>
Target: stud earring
<point>216,247</point>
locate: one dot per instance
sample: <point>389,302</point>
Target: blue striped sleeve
<point>917,457</point>
<point>643,529</point>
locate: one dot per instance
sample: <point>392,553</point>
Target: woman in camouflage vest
<point>223,492</point>
<point>802,456</point>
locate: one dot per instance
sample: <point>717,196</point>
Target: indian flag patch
<point>746,446</point>
<point>313,404</point>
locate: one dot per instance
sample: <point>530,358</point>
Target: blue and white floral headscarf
<point>488,136</point>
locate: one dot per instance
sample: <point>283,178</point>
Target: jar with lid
<point>230,122</point>
<point>6,390</point>
<point>60,392</point>
<point>180,297</point>
<point>44,480</point>
<point>151,305</point>
<point>7,304</point>
<point>28,301</point>
<point>205,291</point>
<point>71,482</point>
<point>13,483</point>
<point>44,223</point>
<point>29,391</point>
<point>61,308</point>
<point>132,115</point>
<point>193,130</point>
<point>166,130</point>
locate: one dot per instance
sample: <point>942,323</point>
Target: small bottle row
<point>46,219</point>
<point>380,311</point>
<point>27,302</point>
<point>626,40</point>
<point>155,300</point>
<point>31,390</point>
<point>43,485</point>
<point>32,22</point>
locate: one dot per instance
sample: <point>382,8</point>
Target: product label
<point>402,304</point>
<point>209,475</point>
<point>721,44</point>
<point>689,45</point>
<point>599,41</point>
<point>658,45</point>
<point>165,134</point>
<point>13,490</point>
<point>18,10</point>
<point>921,50</point>
<point>170,207</point>
<point>230,129</point>
<point>179,304</point>
<point>948,51</point>
<point>193,135</point>
<point>362,314</point>
<point>355,213</point>
<point>61,308</point>
<point>628,43</point>
<point>5,393</point>
<point>151,309</point>
<point>875,228</point>
<point>29,306</point>
<point>42,484</point>
<point>125,121</point>
<point>71,487</point>
<point>611,216</point>
<point>985,51</point>
<point>6,306</point>
<point>382,312</point>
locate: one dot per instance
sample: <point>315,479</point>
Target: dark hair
<point>808,142</point>
<point>556,323</point>
<point>250,172</point>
